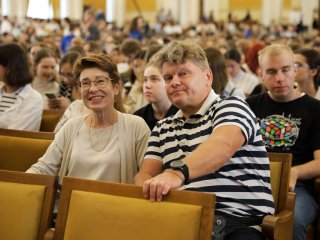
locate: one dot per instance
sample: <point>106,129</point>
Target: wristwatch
<point>182,167</point>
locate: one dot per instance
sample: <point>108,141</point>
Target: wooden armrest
<point>272,226</point>
<point>49,234</point>
<point>291,201</point>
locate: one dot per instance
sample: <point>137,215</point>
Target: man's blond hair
<point>273,50</point>
<point>178,52</point>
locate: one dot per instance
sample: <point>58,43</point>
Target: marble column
<point>14,8</point>
<point>188,12</point>
<point>72,9</point>
<point>271,11</point>
<point>116,10</point>
<point>307,12</point>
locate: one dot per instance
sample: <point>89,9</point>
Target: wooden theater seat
<point>102,210</point>
<point>26,204</point>
<point>20,149</point>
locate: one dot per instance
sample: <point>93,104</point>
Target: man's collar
<point>211,98</point>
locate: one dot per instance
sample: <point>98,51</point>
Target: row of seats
<point>20,149</point>
<point>50,118</point>
<point>98,210</point>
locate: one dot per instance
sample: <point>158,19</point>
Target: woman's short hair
<point>15,59</point>
<point>178,52</point>
<point>101,61</point>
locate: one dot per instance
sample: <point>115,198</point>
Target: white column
<point>34,6</point>
<point>22,7</point>
<point>271,10</point>
<point>189,12</point>
<point>307,12</point>
<point>6,8</point>
<point>115,10</point>
<point>14,8</point>
<point>71,9</point>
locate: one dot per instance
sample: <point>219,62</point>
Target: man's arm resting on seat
<point>208,157</point>
<point>305,171</point>
<point>149,169</point>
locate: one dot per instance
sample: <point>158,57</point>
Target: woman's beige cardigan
<point>133,138</point>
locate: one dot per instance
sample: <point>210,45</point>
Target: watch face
<point>176,164</point>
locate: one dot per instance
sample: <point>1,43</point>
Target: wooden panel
<point>144,5</point>
<point>245,4</point>
<point>286,3</point>
<point>100,4</point>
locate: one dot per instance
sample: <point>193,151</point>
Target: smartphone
<point>50,95</point>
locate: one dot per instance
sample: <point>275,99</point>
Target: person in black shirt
<point>290,122</point>
<point>159,105</point>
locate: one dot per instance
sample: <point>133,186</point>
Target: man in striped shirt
<point>209,145</point>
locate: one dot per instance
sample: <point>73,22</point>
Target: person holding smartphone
<point>68,89</point>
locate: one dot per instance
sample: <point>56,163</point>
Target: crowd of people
<point>187,109</point>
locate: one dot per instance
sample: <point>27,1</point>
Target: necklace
<point>99,137</point>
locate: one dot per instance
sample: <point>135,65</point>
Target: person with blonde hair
<point>193,149</point>
<point>290,122</point>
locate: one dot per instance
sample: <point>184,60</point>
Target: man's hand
<point>293,179</point>
<point>156,187</point>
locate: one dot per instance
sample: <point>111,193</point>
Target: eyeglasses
<point>99,82</point>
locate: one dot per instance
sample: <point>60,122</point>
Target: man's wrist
<point>179,165</point>
<point>177,173</point>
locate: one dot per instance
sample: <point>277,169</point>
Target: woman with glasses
<point>104,144</point>
<point>307,63</point>
<point>20,105</point>
<point>68,88</point>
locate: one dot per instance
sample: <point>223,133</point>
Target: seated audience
<point>193,149</point>
<point>290,122</point>
<point>20,105</point>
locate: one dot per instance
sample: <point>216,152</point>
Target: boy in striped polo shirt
<point>209,145</point>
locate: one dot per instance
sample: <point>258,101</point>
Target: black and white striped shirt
<point>242,185</point>
<point>8,100</point>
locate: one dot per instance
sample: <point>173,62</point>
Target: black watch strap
<point>182,167</point>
